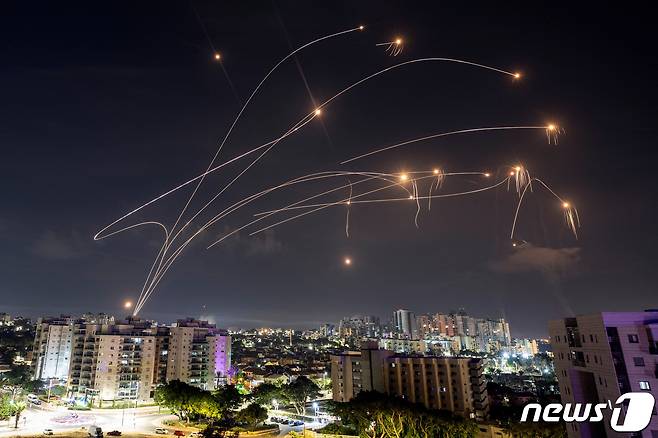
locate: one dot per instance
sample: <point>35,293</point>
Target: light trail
<point>318,207</point>
<point>393,48</point>
<point>408,182</point>
<point>443,134</point>
<point>570,212</point>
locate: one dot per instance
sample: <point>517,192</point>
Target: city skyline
<point>96,128</point>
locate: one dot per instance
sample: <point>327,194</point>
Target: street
<point>37,418</point>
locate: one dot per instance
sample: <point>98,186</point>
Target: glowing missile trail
<point>444,134</point>
<point>393,48</point>
<point>408,182</point>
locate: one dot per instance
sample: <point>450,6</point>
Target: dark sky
<point>105,105</point>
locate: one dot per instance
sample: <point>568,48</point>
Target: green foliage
<point>266,392</point>
<point>188,402</point>
<point>373,414</point>
<point>183,399</point>
<point>337,429</point>
<point>252,415</point>
<point>6,408</point>
<point>299,392</point>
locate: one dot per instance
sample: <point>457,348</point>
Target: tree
<point>299,392</point>
<point>265,393</point>
<point>18,408</point>
<point>181,398</point>
<point>6,409</point>
<point>374,414</point>
<point>252,415</point>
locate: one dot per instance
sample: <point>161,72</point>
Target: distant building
<point>405,324</point>
<point>600,356</point>
<point>409,346</point>
<point>445,383</point>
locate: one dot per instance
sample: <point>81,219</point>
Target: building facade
<point>455,384</point>
<point>405,324</point>
<point>598,357</point>
<point>52,349</point>
<point>104,360</point>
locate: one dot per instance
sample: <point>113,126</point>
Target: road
<point>35,419</point>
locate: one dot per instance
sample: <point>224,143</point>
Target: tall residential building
<point>446,383</point>
<point>113,362</point>
<point>104,360</point>
<point>405,323</point>
<point>356,371</point>
<point>600,356</point>
<point>198,353</point>
<point>454,384</point>
<point>51,353</point>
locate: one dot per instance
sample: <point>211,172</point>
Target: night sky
<point>105,105</point>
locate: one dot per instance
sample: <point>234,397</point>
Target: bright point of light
<point>436,171</point>
<point>517,75</point>
<point>128,304</point>
<point>361,27</point>
<point>565,204</point>
<point>514,244</point>
<point>349,202</point>
<point>398,41</point>
<point>217,56</point>
<point>404,177</point>
<point>511,173</point>
<point>348,261</point>
<point>551,127</point>
<point>487,174</point>
<point>518,168</point>
<point>411,196</point>
<point>318,112</point>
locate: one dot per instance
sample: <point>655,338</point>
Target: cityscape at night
<point>328,220</point>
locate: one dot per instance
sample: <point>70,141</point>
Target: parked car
<point>179,433</point>
<point>92,431</point>
<point>196,434</point>
<point>297,423</point>
<point>161,431</point>
<point>48,432</point>
<point>114,433</point>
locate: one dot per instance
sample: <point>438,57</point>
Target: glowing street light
<point>127,304</point>
<point>217,56</point>
<point>347,261</point>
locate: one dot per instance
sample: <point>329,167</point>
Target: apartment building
<point>52,348</point>
<point>600,356</point>
<point>455,384</point>
<point>198,353</point>
<point>356,371</point>
<point>104,360</point>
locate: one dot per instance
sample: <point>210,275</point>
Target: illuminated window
<point>644,385</point>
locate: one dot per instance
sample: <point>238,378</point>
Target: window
<point>644,385</point>
<point>633,339</point>
<point>638,361</point>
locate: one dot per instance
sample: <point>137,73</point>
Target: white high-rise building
<point>405,323</point>
<point>52,348</point>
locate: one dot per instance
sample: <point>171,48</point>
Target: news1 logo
<point>637,418</point>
